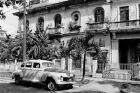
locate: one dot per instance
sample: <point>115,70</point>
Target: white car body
<point>45,72</point>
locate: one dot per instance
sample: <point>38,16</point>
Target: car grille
<point>67,79</point>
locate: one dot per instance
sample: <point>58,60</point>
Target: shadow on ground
<point>38,86</point>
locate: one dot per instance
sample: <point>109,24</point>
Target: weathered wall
<point>86,13</point>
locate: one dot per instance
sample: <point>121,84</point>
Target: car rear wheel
<point>17,79</point>
<point>51,85</point>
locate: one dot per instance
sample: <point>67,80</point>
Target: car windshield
<point>47,64</point>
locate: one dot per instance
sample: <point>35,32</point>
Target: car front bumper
<point>65,83</point>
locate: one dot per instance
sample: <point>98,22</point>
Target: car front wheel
<point>51,85</point>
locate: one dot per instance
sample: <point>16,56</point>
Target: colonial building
<point>114,22</point>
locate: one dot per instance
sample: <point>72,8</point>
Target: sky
<point>10,24</point>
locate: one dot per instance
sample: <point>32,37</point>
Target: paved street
<point>92,85</point>
<point>7,86</point>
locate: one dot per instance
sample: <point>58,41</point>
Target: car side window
<point>36,65</point>
<point>28,64</point>
<point>23,64</point>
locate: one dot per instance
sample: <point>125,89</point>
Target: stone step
<point>118,74</point>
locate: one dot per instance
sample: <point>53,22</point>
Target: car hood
<point>57,70</point>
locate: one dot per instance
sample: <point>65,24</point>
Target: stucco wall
<point>133,9</point>
<point>86,13</point>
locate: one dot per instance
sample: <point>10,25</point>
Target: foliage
<point>39,46</point>
<point>81,44</point>
<point>6,47</point>
<point>8,3</point>
<point>73,26</point>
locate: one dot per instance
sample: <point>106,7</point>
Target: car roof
<point>39,61</point>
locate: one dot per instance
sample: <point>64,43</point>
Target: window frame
<point>79,17</point>
<point>99,15</point>
<point>40,24</point>
<point>124,15</point>
<point>57,20</point>
<point>36,67</point>
<point>21,65</point>
<point>27,63</point>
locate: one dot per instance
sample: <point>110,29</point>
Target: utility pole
<point>24,32</point>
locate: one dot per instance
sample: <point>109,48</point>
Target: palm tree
<point>41,47</point>
<point>81,44</point>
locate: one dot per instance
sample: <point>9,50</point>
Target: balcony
<point>114,26</point>
<point>125,25</point>
<point>97,26</point>
<point>55,31</point>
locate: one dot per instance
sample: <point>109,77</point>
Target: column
<point>63,64</point>
<point>115,54</point>
<point>70,64</point>
<point>94,67</point>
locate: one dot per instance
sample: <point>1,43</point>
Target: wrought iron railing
<point>126,66</point>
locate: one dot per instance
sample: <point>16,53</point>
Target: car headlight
<point>60,78</point>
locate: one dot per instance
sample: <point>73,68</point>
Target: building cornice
<point>70,4</point>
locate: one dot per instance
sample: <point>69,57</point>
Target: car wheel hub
<point>51,86</point>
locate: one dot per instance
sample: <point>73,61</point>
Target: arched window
<point>76,17</point>
<point>27,25</point>
<point>99,14</point>
<point>40,24</point>
<point>57,20</point>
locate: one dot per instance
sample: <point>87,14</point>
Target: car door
<point>37,72</point>
<point>27,71</point>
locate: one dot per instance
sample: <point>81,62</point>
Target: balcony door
<point>57,20</point>
<point>124,16</point>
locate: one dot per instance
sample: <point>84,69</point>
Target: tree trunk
<point>84,63</point>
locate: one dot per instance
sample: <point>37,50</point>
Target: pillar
<point>115,54</point>
<point>70,64</point>
<point>94,67</point>
<point>63,64</point>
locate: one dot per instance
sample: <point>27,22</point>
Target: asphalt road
<point>8,86</point>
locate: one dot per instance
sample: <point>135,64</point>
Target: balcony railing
<point>131,24</point>
<point>126,66</point>
<point>55,30</point>
<point>96,26</point>
<point>125,24</point>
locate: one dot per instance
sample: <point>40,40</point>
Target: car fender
<point>18,72</point>
<point>45,76</point>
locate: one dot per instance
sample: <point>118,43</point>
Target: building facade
<point>115,23</point>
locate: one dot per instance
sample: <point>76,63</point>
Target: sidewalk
<point>100,85</point>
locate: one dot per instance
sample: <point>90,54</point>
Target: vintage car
<point>43,71</point>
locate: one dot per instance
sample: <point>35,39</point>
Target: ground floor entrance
<point>129,52</point>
